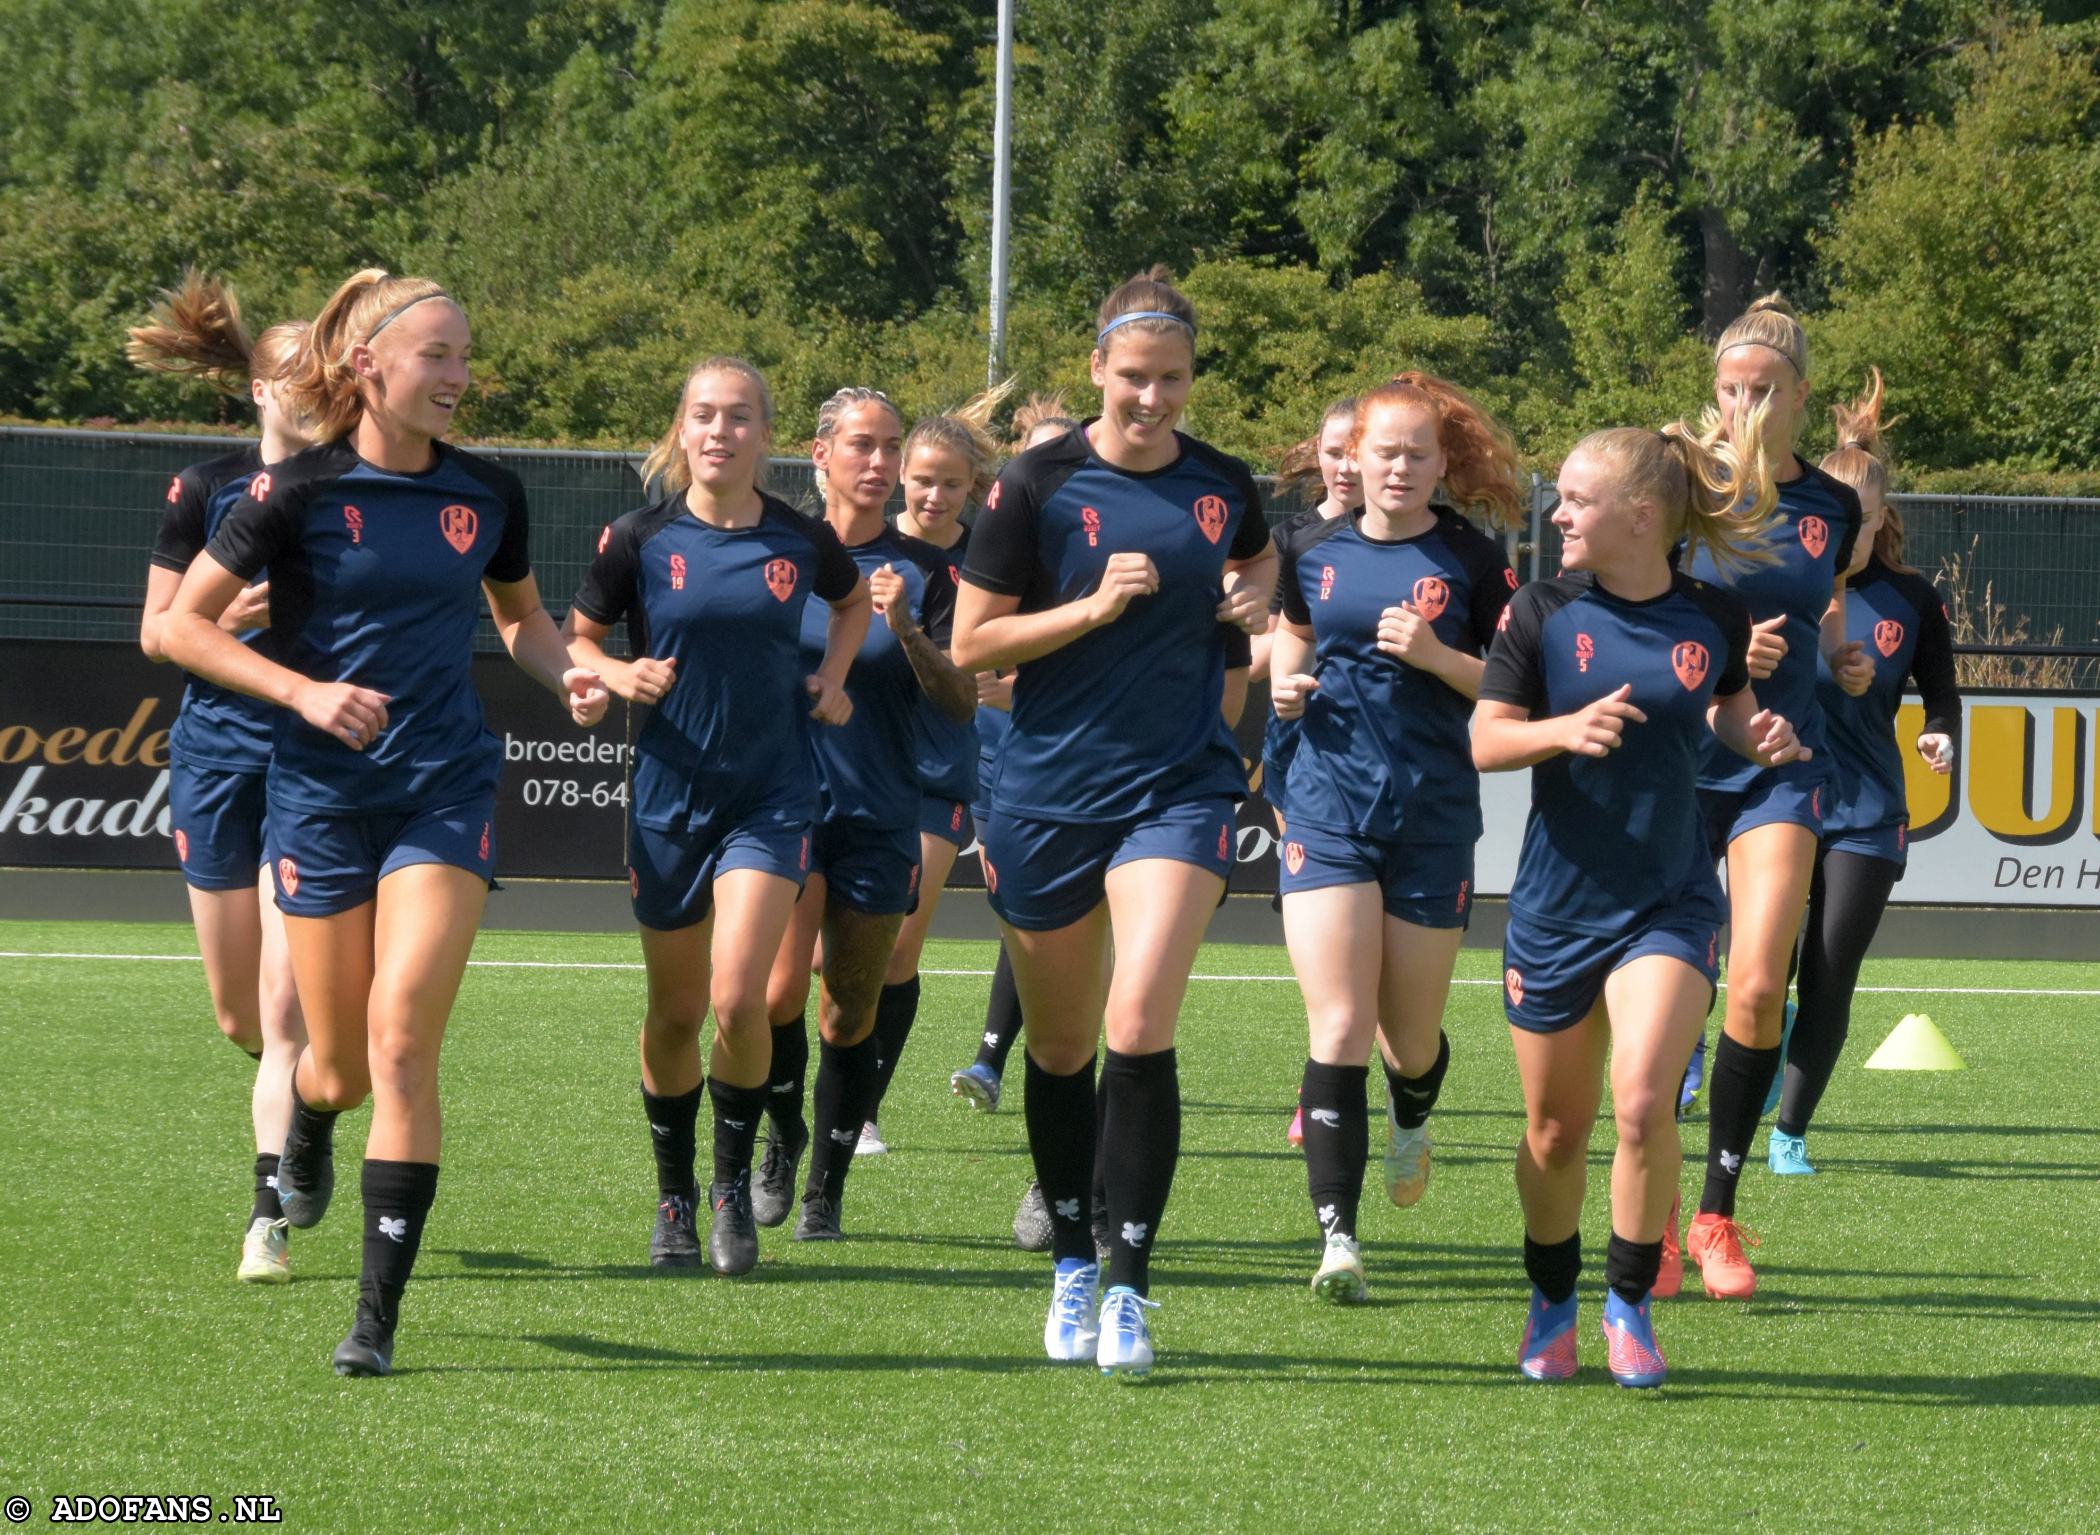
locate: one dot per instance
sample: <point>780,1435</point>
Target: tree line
<point>1555,202</point>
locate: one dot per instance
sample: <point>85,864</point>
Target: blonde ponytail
<point>194,330</point>
<point>1861,460</point>
<point>1712,484</point>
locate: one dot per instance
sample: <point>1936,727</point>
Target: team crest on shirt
<point>459,525</point>
<point>677,572</point>
<point>1815,536</point>
<point>182,845</point>
<point>1513,983</point>
<point>1294,856</point>
<point>1326,582</point>
<point>259,487</point>
<point>288,876</point>
<point>1888,635</point>
<point>1432,596</point>
<point>175,490</point>
<point>1210,516</point>
<point>1689,660</point>
<point>780,579</point>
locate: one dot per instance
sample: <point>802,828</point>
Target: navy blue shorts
<point>327,863</point>
<point>671,874</point>
<point>219,818</point>
<point>1891,844</point>
<point>1552,976</point>
<point>1794,795</point>
<point>869,869</point>
<point>1428,884</point>
<point>949,819</point>
<point>1042,875</point>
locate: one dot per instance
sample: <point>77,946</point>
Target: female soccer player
<point>1765,820</point>
<point>948,463</point>
<point>1325,454</point>
<point>1895,616</point>
<point>864,855</point>
<point>378,541</point>
<point>1607,681</point>
<point>712,581</point>
<point>1387,614</point>
<point>1039,419</point>
<point>1102,568</point>
<point>219,750</point>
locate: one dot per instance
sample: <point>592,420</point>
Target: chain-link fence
<point>78,511</point>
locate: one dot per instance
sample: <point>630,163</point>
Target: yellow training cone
<point>1916,1045</point>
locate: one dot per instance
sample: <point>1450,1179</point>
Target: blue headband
<point>1143,314</point>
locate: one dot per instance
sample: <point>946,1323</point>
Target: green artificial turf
<point>1923,1353</point>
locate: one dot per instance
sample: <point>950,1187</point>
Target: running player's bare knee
<point>1640,1113</point>
<point>1556,1144</point>
<point>243,1031</point>
<point>337,1086</point>
<point>675,1023</point>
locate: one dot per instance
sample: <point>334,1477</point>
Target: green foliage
<point>1552,200</point>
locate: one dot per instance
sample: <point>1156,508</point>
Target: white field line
<point>551,964</point>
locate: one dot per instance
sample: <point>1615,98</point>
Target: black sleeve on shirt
<point>1848,498</point>
<point>1514,675</point>
<point>1732,618</point>
<point>181,536</point>
<point>1251,534</point>
<point>1487,570</point>
<point>512,560</point>
<point>1239,647</point>
<point>937,604</point>
<point>1290,593</point>
<point>1932,660</point>
<point>1002,556</point>
<point>258,534</point>
<point>612,586</point>
<point>836,574</point>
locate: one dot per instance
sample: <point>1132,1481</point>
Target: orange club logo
<point>1888,635</point>
<point>1502,622</point>
<point>1326,582</point>
<point>634,884</point>
<point>259,487</point>
<point>677,572</point>
<point>459,525</point>
<point>955,818</point>
<point>1815,536</point>
<point>484,842</point>
<point>354,524</point>
<point>991,875</point>
<point>992,501</point>
<point>780,579</point>
<point>1432,596</point>
<point>287,876</point>
<point>1210,516</point>
<point>1465,888</point>
<point>1294,856</point>
<point>1225,841</point>
<point>175,490</point>
<point>1510,576</point>
<point>605,538</point>
<point>1513,983</point>
<point>1689,660</point>
<point>182,845</point>
<point>1090,520</point>
<point>805,852</point>
<point>912,889</point>
<point>1585,650</point>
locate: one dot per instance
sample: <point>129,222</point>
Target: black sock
<point>1337,1142</point>
<point>1141,1142</point>
<point>845,1087</point>
<point>1002,1017</point>
<point>787,1081</point>
<point>672,1137</point>
<point>266,1207</point>
<point>1061,1131</point>
<point>316,1127</point>
<point>1738,1078</point>
<point>1845,903</point>
<point>1555,1266</point>
<point>896,1010</point>
<point>1414,1097</point>
<point>397,1199</point>
<point>737,1112</point>
<point>1100,1190</point>
<point>1630,1267</point>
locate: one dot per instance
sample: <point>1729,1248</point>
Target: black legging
<point>1845,902</point>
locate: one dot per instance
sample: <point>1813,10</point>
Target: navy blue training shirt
<point>375,579</point>
<point>1125,718</point>
<point>1812,533</point>
<point>947,750</point>
<point>1384,746</point>
<point>868,768</point>
<point>733,733</point>
<point>1898,618</point>
<point>216,727</point>
<point>1612,839</point>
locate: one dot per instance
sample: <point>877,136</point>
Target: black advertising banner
<point>84,765</point>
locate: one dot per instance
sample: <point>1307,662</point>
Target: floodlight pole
<point>1002,190</point>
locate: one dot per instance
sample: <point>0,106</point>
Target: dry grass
<point>1979,619</point>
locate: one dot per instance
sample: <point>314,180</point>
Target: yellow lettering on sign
<point>2002,771</point>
